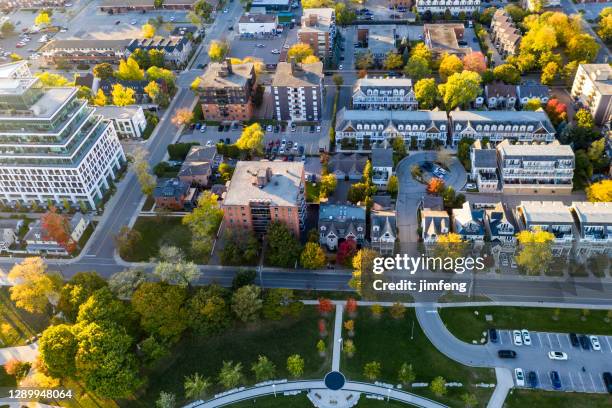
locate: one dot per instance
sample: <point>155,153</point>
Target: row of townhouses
<point>504,33</point>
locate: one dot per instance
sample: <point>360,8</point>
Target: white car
<point>340,67</point>
<point>225,10</point>
<point>269,128</point>
<point>133,22</point>
<point>275,51</point>
<point>172,18</point>
<point>520,377</point>
<point>260,46</point>
<point>595,343</point>
<point>286,46</point>
<point>526,337</point>
<point>209,143</point>
<point>318,128</point>
<point>295,147</point>
<point>517,338</point>
<point>557,355</point>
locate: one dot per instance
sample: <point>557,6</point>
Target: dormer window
<point>323,228</point>
<point>359,229</point>
<point>375,228</point>
<point>442,127</point>
<point>458,127</point>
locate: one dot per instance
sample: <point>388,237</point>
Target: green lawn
<point>17,325</point>
<point>312,192</point>
<point>301,401</point>
<point>157,231</point>
<point>388,341</point>
<point>546,399</point>
<point>467,326</point>
<point>276,340</point>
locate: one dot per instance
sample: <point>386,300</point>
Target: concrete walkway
<point>283,387</point>
<point>504,385</point>
<point>21,353</point>
<point>337,349</point>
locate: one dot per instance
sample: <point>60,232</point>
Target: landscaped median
<point>469,323</point>
<point>302,401</point>
<point>393,338</point>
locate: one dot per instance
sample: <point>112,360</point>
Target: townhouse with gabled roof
<point>341,222</point>
<point>483,169</point>
<point>379,126</point>
<point>371,93</point>
<point>468,222</point>
<point>383,229</point>
<point>530,91</point>
<point>594,228</point>
<point>519,126</point>
<point>499,225</point>
<point>504,33</point>
<point>500,95</point>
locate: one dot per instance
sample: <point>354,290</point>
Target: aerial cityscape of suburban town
<point>305,203</point>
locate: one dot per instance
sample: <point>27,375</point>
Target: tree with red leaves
<point>351,307</point>
<point>556,111</point>
<point>325,306</point>
<point>346,250</point>
<point>475,61</point>
<point>56,227</point>
<point>435,185</point>
<point>322,328</point>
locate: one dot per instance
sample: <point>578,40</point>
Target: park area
<point>547,399</point>
<point>276,340</point>
<point>17,325</point>
<point>394,341</point>
<point>469,323</point>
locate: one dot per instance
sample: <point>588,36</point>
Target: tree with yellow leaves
<point>123,96</point>
<point>535,252</point>
<point>300,51</point>
<point>600,191</point>
<point>42,19</point>
<point>100,98</point>
<point>311,59</point>
<point>217,50</point>
<point>251,139</point>
<point>363,276</point>
<point>129,70</point>
<point>33,286</point>
<point>449,65</point>
<point>182,117</point>
<point>148,31</point>
<point>449,246</point>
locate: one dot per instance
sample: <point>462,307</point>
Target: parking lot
<point>535,358</point>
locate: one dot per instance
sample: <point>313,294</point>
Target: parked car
<point>517,338</point>
<point>557,355</point>
<point>301,150</point>
<point>532,379</point>
<point>318,129</point>
<point>520,377</point>
<point>220,128</point>
<point>228,141</point>
<point>293,127</point>
<point>269,128</point>
<point>312,129</point>
<point>595,343</point>
<point>209,143</point>
<point>526,337</point>
<point>506,354</point>
<point>574,340</point>
<point>584,342</point>
<point>607,378</point>
<point>555,380</point>
<point>493,336</point>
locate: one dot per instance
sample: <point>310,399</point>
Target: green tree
<point>449,65</point>
<point>218,50</point>
<point>123,96</point>
<point>84,92</point>
<point>364,59</point>
<point>124,283</point>
<point>393,186</point>
<point>58,347</point>
<point>161,308</point>
<point>129,70</point>
<point>251,139</point>
<point>165,399</point>
<point>313,256</point>
<point>438,386</point>
<point>406,374</point>
<point>230,375</point>
<point>597,155</point>
<point>535,250</point>
<point>143,171</point>
<point>605,25</point>
<point>584,119</point>
<point>196,386</point>
<point>507,73</point>
<point>247,303</point>
<point>469,400</point>
<point>141,57</point>
<point>393,61</point>
<point>417,68</point>
<point>77,290</point>
<point>7,28</point>
<point>103,71</point>
<point>264,369</point>
<point>203,9</point>
<point>426,92</point>
<point>295,365</point>
<point>204,222</point>
<point>208,310</point>
<point>102,306</point>
<point>300,51</point>
<point>583,170</point>
<point>372,370</point>
<point>173,268</point>
<point>283,248</point>
<point>281,302</point>
<point>460,89</point>
<point>328,184</point>
<point>582,47</point>
<point>533,104</point>
<point>337,78</point>
<point>161,74</point>
<point>344,15</point>
<point>33,285</point>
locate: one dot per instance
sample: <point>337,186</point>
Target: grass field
<point>312,192</point>
<point>275,340</point>
<point>393,342</point>
<point>158,231</point>
<point>301,401</point>
<point>17,325</point>
<point>467,326</point>
<point>546,399</point>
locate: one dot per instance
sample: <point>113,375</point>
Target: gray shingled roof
<point>382,157</point>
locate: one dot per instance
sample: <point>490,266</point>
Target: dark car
<point>221,141</point>
<point>312,129</point>
<point>276,129</point>
<point>226,128</point>
<point>228,141</point>
<point>301,150</point>
<point>574,340</point>
<point>493,335</point>
<point>220,128</point>
<point>230,28</point>
<point>584,342</point>
<point>532,379</point>
<point>607,378</point>
<point>555,380</point>
<point>506,354</point>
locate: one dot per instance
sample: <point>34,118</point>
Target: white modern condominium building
<point>52,145</point>
<point>454,6</point>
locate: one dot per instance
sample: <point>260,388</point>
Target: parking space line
<point>592,382</point>
<point>540,340</point>
<point>608,343</point>
<point>572,380</point>
<point>501,337</point>
<point>549,342</point>
<point>581,382</point>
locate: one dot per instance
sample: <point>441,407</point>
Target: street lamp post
<point>274,389</point>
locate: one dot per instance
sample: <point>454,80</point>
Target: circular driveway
<point>456,178</point>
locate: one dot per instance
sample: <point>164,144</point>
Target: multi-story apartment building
<point>483,172</point>
<point>594,228</point>
<point>371,93</point>
<point>318,30</point>
<point>85,51</point>
<point>536,168</point>
<point>124,6</point>
<point>264,192</point>
<point>129,121</point>
<point>552,216</point>
<point>378,126</point>
<point>440,6</point>
<point>505,35</point>
<point>339,223</point>
<point>52,145</point>
<point>298,91</point>
<point>524,126</point>
<point>226,91</point>
<point>177,49</point>
<point>446,39</point>
<point>593,88</point>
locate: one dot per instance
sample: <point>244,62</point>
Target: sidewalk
<point>21,353</point>
<point>504,385</point>
<point>337,337</point>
